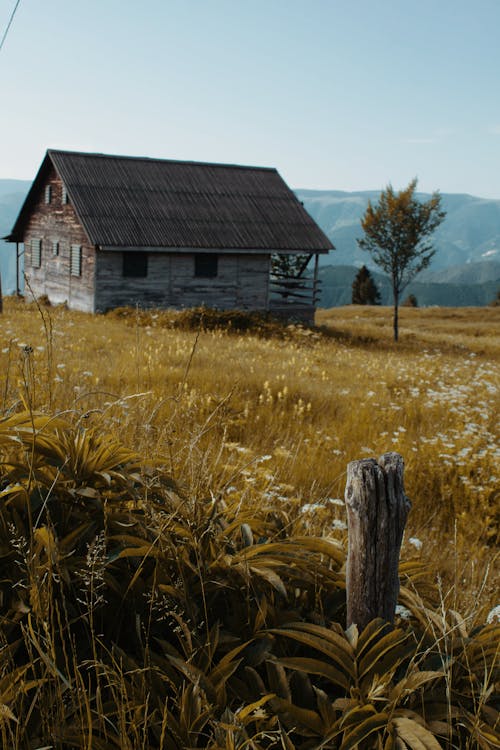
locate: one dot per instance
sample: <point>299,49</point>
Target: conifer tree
<point>364,289</point>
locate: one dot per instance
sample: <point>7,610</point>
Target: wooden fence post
<point>377,509</point>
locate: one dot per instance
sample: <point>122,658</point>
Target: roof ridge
<point>156,159</point>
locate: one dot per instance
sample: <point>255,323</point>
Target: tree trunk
<point>396,316</point>
<point>377,509</point>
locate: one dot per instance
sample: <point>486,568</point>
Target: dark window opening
<point>48,194</point>
<point>55,248</point>
<point>206,264</point>
<point>64,197</point>
<point>135,264</point>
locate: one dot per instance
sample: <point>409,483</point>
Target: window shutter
<point>36,253</point>
<point>75,261</point>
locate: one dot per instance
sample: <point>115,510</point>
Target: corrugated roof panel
<point>140,202</point>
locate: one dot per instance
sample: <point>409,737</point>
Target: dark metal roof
<point>125,201</point>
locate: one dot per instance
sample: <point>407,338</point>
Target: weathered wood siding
<point>57,222</point>
<point>242,282</point>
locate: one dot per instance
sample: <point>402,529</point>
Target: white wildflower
<point>335,501</point>
<point>493,615</point>
<point>403,612</point>
<point>338,524</point>
<point>308,507</point>
<point>415,542</point>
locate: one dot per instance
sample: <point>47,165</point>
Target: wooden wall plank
<point>57,222</point>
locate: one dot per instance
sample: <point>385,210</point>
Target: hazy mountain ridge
<point>12,194</point>
<point>464,271</point>
<point>469,233</point>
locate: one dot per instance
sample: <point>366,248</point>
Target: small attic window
<point>48,193</point>
<point>64,196</point>
<point>55,248</point>
<point>206,265</point>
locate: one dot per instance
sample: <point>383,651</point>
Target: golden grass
<point>277,419</point>
<point>455,329</point>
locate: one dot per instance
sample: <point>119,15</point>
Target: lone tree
<point>364,289</point>
<point>397,231</point>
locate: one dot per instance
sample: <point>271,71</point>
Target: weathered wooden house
<point>104,231</point>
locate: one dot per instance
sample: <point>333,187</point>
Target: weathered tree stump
<point>377,509</point>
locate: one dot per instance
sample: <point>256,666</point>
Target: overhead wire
<point>4,37</point>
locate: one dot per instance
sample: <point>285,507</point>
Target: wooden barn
<point>104,231</point>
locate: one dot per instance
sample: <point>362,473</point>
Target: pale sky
<point>336,94</point>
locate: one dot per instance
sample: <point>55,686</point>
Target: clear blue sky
<point>337,94</point>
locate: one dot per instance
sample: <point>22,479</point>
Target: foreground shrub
<point>205,319</point>
<point>135,617</point>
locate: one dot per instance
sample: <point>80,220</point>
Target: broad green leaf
<point>271,577</point>
<point>6,713</point>
<point>374,630</point>
<point>411,683</point>
<point>194,675</point>
<point>357,714</point>
<point>376,723</point>
<point>243,713</point>
<point>326,709</point>
<point>392,648</point>
<point>68,543</point>
<point>145,551</point>
<point>416,736</point>
<point>328,644</point>
<point>329,635</point>
<point>295,716</point>
<point>278,682</point>
<point>320,668</point>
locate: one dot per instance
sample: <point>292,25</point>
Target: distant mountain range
<point>470,232</point>
<point>464,271</point>
<point>12,194</point>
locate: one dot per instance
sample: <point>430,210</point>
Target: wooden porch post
<point>315,282</point>
<point>17,270</point>
<point>377,509</point>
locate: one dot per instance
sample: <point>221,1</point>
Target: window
<point>135,264</point>
<point>206,264</point>
<point>48,193</point>
<point>75,260</point>
<point>55,248</point>
<point>36,253</point>
<point>64,196</point>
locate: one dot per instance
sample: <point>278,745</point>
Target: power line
<point>9,24</point>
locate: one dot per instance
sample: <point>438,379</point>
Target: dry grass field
<point>263,423</point>
<point>282,415</point>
